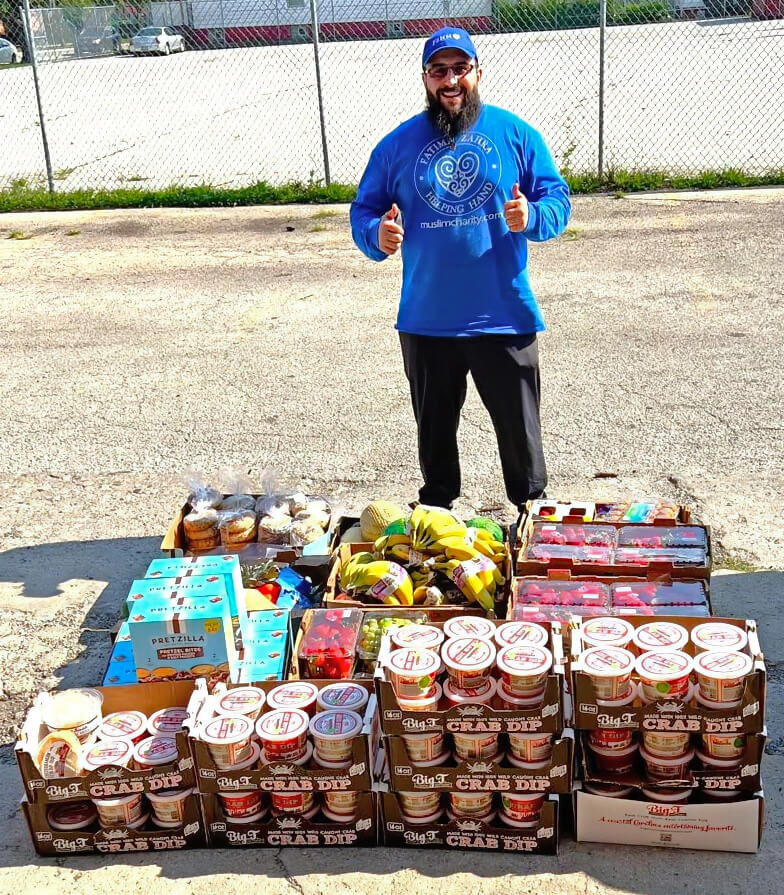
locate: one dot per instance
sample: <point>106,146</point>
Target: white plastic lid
<point>519,701</point>
<point>469,626</point>
<point>521,633</point>
<point>169,795</point>
<point>660,635</point>
<point>413,662</point>
<point>72,816</point>
<point>667,762</point>
<point>468,654</point>
<point>664,665</point>
<point>72,708</point>
<point>292,695</point>
<point>282,725</point>
<point>121,725</point>
<point>607,631</point>
<point>417,637</point>
<point>338,724</point>
<point>524,660</point>
<point>482,694</point>
<point>115,752</point>
<point>723,666</point>
<point>416,703</point>
<point>167,722</point>
<point>343,696</point>
<point>241,701</point>
<point>666,795</point>
<point>603,750</point>
<point>224,730</point>
<point>155,751</point>
<point>608,661</point>
<point>719,637</point>
<point>724,764</point>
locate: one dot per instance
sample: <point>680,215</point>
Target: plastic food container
<point>669,796</point>
<point>154,752</point>
<point>724,746</point>
<point>485,818</point>
<point>76,710</point>
<point>469,661</point>
<point>660,635</point>
<point>341,804</point>
<point>531,746</point>
<point>72,816</point>
<point>469,626</point>
<point>479,696</point>
<point>419,821</point>
<point>303,759</point>
<point>522,807</point>
<point>664,674</point>
<point>319,762</point>
<point>610,670</point>
<point>413,672</point>
<point>284,734</point>
<point>121,811</point>
<point>167,722</point>
<point>613,761</point>
<point>424,747</point>
<point>517,824</point>
<point>719,637</point>
<point>610,738</point>
<point>471,746</point>
<point>228,737</point>
<point>329,645</point>
<point>420,804</point>
<point>531,766</point>
<point>242,805</point>
<point>247,701</point>
<point>250,762</point>
<point>511,703</point>
<point>112,753</point>
<point>524,669</point>
<point>667,768</point>
<point>427,702</point>
<point>719,765</point>
<point>292,802</point>
<point>348,696</point>
<point>130,725</point>
<point>611,790</point>
<point>606,631</point>
<point>333,732</point>
<point>417,637</point>
<point>721,676</point>
<point>723,795</point>
<point>666,743</point>
<point>294,695</point>
<point>521,633</point>
<point>624,700</point>
<point>168,805</point>
<point>471,804</point>
<point>712,705</point>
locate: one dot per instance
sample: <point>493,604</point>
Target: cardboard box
<point>280,776</point>
<point>467,833</point>
<point>335,599</point>
<point>109,781</point>
<point>748,717</point>
<point>121,840</point>
<point>746,777</point>
<point>528,566</point>
<point>121,668</point>
<point>481,776</point>
<point>732,826</point>
<point>275,832</point>
<point>472,718</point>
<point>583,511</point>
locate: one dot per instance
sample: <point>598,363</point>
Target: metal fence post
<point>315,35</point>
<point>602,28</point>
<point>34,60</point>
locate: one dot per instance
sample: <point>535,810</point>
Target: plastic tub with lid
<point>120,811</point>
<point>413,672</point>
<point>724,746</point>
<point>524,669</point>
<point>471,804</point>
<point>333,733</point>
<point>169,805</point>
<point>522,807</point>
<point>469,661</point>
<point>472,746</point>
<point>416,820</point>
<point>610,790</point>
<point>347,696</point>
<point>660,635</point>
<point>427,702</point>
<point>417,637</point>
<point>155,752</point>
<point>530,746</point>
<point>519,633</point>
<point>127,725</point>
<point>424,746</point>
<point>667,768</point>
<point>666,743</point>
<point>721,676</point>
<point>719,637</point>
<point>606,631</point>
<point>228,738</point>
<point>610,738</point>
<point>341,804</point>
<point>610,671</point>
<point>77,710</point>
<point>292,802</point>
<point>72,816</point>
<point>167,722</point>
<point>420,804</point>
<point>114,753</point>
<point>510,703</point>
<point>300,695</point>
<point>664,674</point>
<point>242,804</point>
<point>469,626</point>
<point>247,701</point>
<point>719,765</point>
<point>613,761</point>
<point>283,734</point>
<point>485,818</point>
<point>482,695</point>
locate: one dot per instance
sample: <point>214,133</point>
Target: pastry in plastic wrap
<point>201,529</point>
<point>315,517</point>
<point>237,528</point>
<point>305,531</point>
<point>238,502</point>
<point>274,529</point>
<point>202,497</point>
<point>297,502</point>
<point>272,505</point>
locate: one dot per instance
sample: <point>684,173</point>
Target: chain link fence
<point>229,92</point>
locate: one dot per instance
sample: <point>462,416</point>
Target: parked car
<point>9,53</point>
<point>98,41</point>
<point>157,40</point>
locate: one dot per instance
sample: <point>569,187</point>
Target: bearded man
<point>459,190</point>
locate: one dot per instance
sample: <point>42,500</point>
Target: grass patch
<point>326,213</point>
<point>24,197</point>
<point>318,228</point>
<point>72,232</point>
<point>571,233</point>
<point>62,173</point>
<point>19,234</point>
<point>736,564</point>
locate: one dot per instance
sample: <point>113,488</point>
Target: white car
<point>9,53</point>
<point>161,40</point>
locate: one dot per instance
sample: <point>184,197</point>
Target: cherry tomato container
<point>329,645</point>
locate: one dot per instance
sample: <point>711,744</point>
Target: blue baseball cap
<point>449,38</point>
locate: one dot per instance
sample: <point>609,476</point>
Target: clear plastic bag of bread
<point>200,523</point>
<point>237,487</point>
<point>237,528</point>
<point>272,501</point>
<point>201,495</point>
<point>312,517</point>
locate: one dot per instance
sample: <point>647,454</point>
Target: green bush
<point>639,13</point>
<point>556,15</point>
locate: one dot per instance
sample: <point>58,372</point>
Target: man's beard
<point>450,125</point>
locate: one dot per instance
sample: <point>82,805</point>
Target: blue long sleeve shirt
<point>464,272</point>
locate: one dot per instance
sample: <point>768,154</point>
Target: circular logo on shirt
<point>458,180</point>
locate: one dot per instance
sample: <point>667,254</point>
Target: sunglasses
<point>439,72</point>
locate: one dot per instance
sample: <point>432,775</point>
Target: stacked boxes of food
<point>472,716</point>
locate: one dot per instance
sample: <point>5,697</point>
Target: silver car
<point>9,53</point>
<point>161,40</point>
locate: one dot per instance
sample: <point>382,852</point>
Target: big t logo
<point>458,179</point>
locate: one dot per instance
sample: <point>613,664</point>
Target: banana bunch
<point>477,579</point>
<point>381,580</point>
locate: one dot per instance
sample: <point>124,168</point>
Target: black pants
<point>505,370</point>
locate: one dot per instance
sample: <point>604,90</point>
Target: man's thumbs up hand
<point>516,211</point>
<point>390,233</point>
